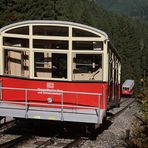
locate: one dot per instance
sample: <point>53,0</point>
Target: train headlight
<point>49,100</point>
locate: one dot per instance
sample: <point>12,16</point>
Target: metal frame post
<point>26,103</point>
<point>1,90</point>
<point>62,103</point>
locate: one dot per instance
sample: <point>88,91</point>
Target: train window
<point>125,88</point>
<point>50,30</point>
<point>89,45</point>
<point>42,63</point>
<point>59,65</point>
<point>20,30</point>
<point>50,65</point>
<point>50,44</point>
<point>82,33</point>
<point>87,67</point>
<point>16,63</point>
<point>16,42</point>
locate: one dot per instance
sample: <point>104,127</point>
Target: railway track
<point>50,141</point>
<point>14,142</point>
<point>7,124</point>
<point>122,109</point>
<point>75,143</point>
<point>61,143</point>
<point>56,141</point>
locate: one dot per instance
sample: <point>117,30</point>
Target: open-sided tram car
<point>56,70</point>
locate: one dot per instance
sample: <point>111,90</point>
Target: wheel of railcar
<point>90,131</point>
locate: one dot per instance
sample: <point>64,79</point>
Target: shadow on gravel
<point>60,129</point>
<point>109,114</point>
<point>46,129</point>
<point>34,127</point>
<point>106,124</point>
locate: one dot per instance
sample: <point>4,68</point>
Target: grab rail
<point>0,89</point>
<point>60,92</point>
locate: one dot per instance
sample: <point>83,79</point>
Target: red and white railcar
<point>128,87</point>
<point>57,70</point>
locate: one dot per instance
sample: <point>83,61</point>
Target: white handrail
<point>52,91</point>
<point>61,106</point>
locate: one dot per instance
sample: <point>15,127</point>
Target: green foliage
<point>130,37</point>
<point>145,104</point>
<point>140,130</point>
<point>134,8</point>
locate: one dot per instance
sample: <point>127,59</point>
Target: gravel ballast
<point>114,136</point>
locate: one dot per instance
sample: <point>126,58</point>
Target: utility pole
<point>144,77</point>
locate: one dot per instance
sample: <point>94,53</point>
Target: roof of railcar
<point>128,83</point>
<point>54,22</point>
<point>46,22</point>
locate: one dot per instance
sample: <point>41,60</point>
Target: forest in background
<point>128,35</point>
<point>134,8</point>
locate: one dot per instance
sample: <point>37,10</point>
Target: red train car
<point>57,70</point>
<point>127,88</point>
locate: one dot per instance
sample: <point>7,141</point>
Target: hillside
<point>134,8</point>
<point>129,37</point>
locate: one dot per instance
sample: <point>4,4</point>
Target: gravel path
<point>114,136</point>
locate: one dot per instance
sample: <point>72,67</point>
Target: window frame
<point>69,39</point>
<point>51,52</point>
<point>19,50</point>
<point>89,53</point>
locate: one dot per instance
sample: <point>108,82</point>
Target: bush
<point>139,138</point>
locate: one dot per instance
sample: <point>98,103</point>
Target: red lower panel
<point>44,96</point>
<point>127,92</point>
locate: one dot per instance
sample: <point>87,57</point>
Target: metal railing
<point>0,90</point>
<point>61,93</point>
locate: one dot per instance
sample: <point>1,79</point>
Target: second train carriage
<point>57,70</point>
<point>128,88</point>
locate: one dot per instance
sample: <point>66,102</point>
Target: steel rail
<point>120,111</point>
<point>52,139</point>
<point>14,142</point>
<point>74,143</point>
<point>7,123</point>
